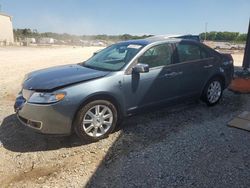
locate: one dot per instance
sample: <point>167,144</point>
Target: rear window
<point>190,37</point>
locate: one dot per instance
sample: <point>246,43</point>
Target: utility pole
<point>205,31</point>
<point>246,60</point>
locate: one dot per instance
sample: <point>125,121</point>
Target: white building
<point>46,40</point>
<point>30,40</point>
<point>6,29</point>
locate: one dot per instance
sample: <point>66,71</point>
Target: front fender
<point>104,88</point>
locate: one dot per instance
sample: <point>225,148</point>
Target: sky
<point>137,17</point>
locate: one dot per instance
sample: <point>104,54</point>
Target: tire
<point>92,127</point>
<point>213,91</point>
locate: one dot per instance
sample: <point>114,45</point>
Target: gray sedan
<point>92,97</point>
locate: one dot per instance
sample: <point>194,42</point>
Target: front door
<point>159,84</point>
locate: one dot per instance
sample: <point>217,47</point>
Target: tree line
<point>20,34</point>
<point>224,36</point>
<point>213,35</point>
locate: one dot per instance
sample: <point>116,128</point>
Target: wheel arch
<point>100,96</point>
<point>218,75</point>
<point>203,95</point>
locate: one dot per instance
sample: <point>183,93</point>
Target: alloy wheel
<point>97,120</point>
<point>214,91</point>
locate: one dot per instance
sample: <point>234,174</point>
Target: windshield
<point>114,57</point>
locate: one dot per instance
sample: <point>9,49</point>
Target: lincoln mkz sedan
<point>92,97</point>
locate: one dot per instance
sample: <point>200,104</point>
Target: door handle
<point>179,73</point>
<point>208,66</point>
<point>172,74</point>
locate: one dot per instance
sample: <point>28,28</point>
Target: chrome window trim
<point>196,60</point>
<point>182,63</point>
<point>133,61</point>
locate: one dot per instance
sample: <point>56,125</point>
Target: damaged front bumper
<point>43,118</point>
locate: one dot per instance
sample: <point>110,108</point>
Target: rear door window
<point>191,52</point>
<point>188,52</point>
<point>205,54</point>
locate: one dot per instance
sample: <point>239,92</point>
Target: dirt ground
<point>15,161</point>
<point>238,58</point>
<point>188,146</point>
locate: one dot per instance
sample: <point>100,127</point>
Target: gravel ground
<point>186,146</point>
<point>191,147</point>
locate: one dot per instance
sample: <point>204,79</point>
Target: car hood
<point>60,76</point>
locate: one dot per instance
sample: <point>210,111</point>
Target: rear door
<point>196,64</point>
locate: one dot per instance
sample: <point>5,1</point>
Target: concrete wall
<point>6,29</point>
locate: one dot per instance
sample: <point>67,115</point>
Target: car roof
<point>155,39</point>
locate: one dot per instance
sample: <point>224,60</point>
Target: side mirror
<point>141,68</point>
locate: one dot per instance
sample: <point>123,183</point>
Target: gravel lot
<point>185,146</point>
<point>188,147</point>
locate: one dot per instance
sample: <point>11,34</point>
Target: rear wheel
<point>213,91</point>
<point>96,120</point>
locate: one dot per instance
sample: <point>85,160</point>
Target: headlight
<point>46,98</point>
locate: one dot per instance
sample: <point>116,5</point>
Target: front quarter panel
<point>79,93</point>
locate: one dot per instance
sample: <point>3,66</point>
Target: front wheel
<point>96,120</point>
<point>213,92</point>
